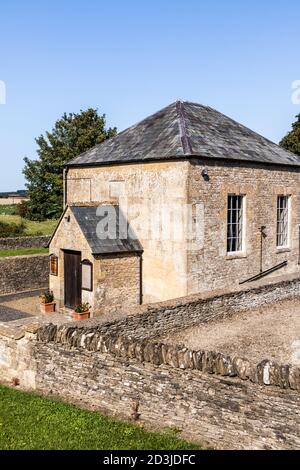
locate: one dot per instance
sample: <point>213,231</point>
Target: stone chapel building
<point>241,193</point>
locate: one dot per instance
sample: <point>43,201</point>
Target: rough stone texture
<point>117,286</point>
<point>116,279</point>
<point>222,412</point>
<point>21,273</point>
<point>210,268</point>
<point>17,358</point>
<point>214,399</point>
<point>143,188</point>
<point>23,242</point>
<point>157,320</point>
<point>174,268</point>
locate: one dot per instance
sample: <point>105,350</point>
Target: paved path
<point>8,314</point>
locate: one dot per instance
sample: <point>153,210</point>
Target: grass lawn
<point>28,421</point>
<point>23,251</point>
<point>32,228</point>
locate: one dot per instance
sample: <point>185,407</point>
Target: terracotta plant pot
<point>48,308</point>
<point>81,316</point>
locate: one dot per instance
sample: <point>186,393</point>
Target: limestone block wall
<point>210,267</point>
<point>68,237</point>
<point>217,411</point>
<point>116,279</point>
<point>175,268</point>
<point>17,362</point>
<point>23,242</point>
<point>117,283</point>
<point>22,273</point>
<point>145,192</point>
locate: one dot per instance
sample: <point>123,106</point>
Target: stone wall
<point>116,279</point>
<point>172,267</point>
<point>157,320</point>
<point>123,369</point>
<point>17,362</point>
<point>117,285</point>
<point>23,242</point>
<point>211,267</point>
<point>217,411</point>
<point>21,273</point>
<point>145,191</point>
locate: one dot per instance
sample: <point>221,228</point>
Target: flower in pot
<point>47,302</point>
<point>82,311</point>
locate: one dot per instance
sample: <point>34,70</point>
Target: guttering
<point>205,158</point>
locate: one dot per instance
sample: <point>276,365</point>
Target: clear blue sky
<point>131,58</point>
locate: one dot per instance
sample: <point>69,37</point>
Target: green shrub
<point>9,209</point>
<point>23,210</point>
<point>12,230</point>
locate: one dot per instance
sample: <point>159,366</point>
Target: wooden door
<point>72,272</point>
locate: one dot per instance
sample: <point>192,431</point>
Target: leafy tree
<point>72,135</point>
<point>291,141</point>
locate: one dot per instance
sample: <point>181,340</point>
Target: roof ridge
<point>184,135</point>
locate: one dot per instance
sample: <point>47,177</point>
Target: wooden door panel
<point>72,278</point>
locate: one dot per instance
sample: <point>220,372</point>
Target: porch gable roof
<point>106,229</point>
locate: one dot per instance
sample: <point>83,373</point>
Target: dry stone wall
<point>215,411</point>
<point>123,369</point>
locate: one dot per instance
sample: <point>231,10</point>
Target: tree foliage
<point>291,141</point>
<point>72,135</point>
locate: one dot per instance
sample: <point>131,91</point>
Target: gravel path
<point>271,332</point>
<point>29,305</point>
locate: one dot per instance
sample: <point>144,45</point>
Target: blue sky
<point>131,58</point>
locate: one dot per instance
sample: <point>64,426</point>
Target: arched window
<point>87,275</point>
<point>53,265</point>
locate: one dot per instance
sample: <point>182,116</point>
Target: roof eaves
<point>57,226</point>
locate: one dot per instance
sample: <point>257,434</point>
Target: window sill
<point>237,255</point>
<point>283,250</point>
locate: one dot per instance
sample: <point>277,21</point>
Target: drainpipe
<point>141,278</point>
<point>263,235</point>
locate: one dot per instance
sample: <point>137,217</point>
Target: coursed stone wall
<point>124,369</point>
<point>23,242</point>
<point>211,267</point>
<point>22,273</point>
<point>216,411</point>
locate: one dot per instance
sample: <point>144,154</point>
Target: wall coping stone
<point>135,337</point>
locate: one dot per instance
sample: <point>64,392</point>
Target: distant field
<point>32,228</point>
<point>31,422</point>
<point>23,252</point>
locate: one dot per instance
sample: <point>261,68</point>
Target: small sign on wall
<point>87,275</point>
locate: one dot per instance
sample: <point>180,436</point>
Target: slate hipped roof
<point>186,130</point>
<point>122,238</point>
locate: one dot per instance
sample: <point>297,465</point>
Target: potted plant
<point>82,311</point>
<point>47,302</point>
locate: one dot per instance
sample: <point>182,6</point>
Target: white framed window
<point>235,223</point>
<point>282,232</point>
